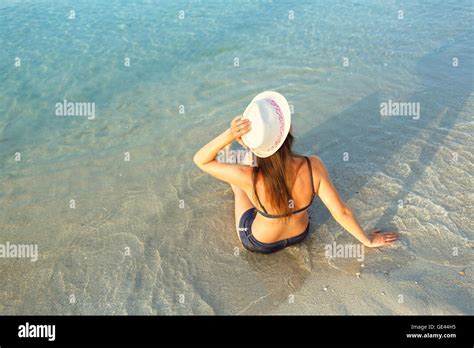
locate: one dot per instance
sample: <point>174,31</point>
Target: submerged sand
<point>154,235</point>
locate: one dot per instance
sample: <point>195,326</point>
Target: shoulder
<point>316,163</point>
<point>319,169</point>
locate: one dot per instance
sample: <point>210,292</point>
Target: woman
<point>272,198</point>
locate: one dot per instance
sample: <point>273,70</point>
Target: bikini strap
<point>265,212</point>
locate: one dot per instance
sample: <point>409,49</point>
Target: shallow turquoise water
<point>138,204</point>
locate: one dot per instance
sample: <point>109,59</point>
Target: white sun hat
<point>270,117</point>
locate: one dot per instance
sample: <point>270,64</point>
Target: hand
<point>378,239</point>
<point>239,127</point>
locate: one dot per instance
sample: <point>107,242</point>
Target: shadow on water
<point>450,89</point>
<point>447,91</point>
<point>443,95</point>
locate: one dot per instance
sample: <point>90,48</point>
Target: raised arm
<point>342,213</point>
<point>205,158</point>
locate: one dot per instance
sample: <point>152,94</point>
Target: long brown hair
<point>278,177</point>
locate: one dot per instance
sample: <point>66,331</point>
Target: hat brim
<point>285,109</point>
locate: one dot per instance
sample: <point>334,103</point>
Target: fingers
<point>390,238</point>
<point>246,128</point>
<point>240,127</point>
<point>235,119</point>
<point>239,131</point>
<point>380,238</point>
<point>241,123</point>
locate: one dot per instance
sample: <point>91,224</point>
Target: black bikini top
<point>266,214</point>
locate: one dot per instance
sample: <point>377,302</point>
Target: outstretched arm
<point>343,214</point>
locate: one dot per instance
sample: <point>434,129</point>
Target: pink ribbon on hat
<point>281,120</point>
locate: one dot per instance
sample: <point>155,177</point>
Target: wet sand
<point>154,235</point>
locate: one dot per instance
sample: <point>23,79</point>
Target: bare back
<point>268,230</point>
